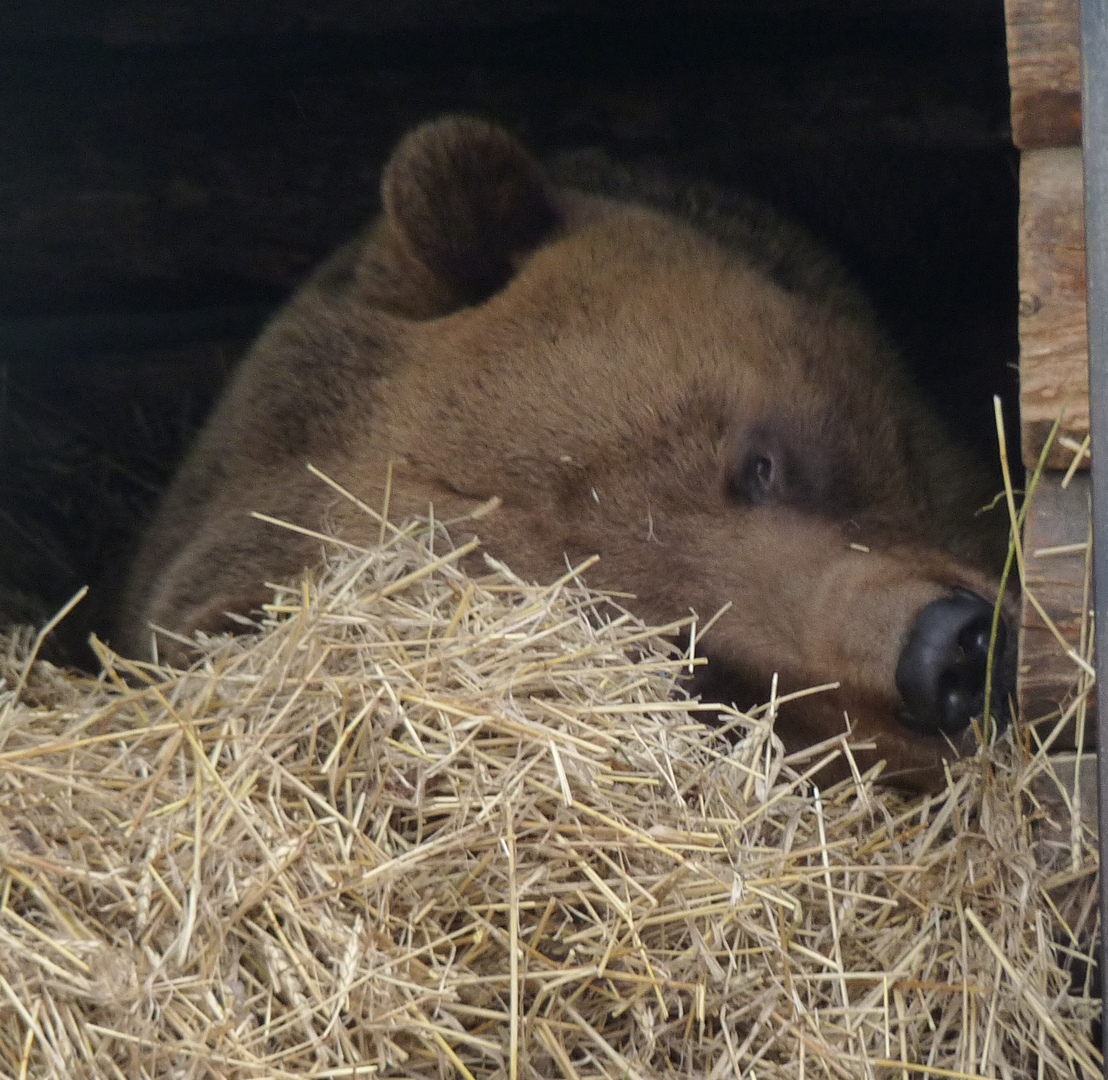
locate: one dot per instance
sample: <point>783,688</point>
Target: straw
<point>433,822</point>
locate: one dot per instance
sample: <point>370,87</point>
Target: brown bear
<point>695,394</point>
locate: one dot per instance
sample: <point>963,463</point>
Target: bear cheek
<point>227,613</point>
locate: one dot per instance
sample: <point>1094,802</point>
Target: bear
<point>686,386</point>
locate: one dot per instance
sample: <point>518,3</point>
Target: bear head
<point>688,388</point>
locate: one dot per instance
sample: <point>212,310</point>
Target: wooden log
<point>1053,335</point>
<point>1055,541</point>
<point>1044,72</point>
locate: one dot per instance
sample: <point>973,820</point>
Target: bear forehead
<point>633,311</point>
<point>632,344</point>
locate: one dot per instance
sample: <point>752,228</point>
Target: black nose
<point>941,672</point>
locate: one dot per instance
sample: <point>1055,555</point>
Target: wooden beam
<point>1053,335</point>
<point>1055,542</point>
<point>1044,72</point>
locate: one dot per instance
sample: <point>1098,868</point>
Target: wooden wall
<point>1045,80</point>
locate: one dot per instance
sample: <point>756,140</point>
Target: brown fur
<point>608,370</point>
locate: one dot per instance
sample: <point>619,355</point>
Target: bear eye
<point>761,472</point>
<point>756,480</point>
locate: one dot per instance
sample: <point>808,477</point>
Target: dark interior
<point>169,171</point>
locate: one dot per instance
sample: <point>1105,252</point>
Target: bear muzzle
<point>940,689</point>
<point>944,666</point>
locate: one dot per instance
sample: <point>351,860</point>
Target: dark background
<point>169,171</point>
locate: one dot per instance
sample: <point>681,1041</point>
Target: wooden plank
<point>1055,551</point>
<point>203,176</point>
<point>1044,72</point>
<point>1053,334</point>
<point>160,22</point>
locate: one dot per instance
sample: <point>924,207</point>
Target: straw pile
<point>428,824</point>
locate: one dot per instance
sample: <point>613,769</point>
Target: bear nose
<point>941,671</point>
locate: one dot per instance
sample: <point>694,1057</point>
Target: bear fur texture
<point>694,393</point>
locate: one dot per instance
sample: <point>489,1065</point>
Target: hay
<point>433,825</point>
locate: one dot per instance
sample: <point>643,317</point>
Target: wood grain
<point>1044,72</point>
<point>1053,334</point>
<point>1058,517</point>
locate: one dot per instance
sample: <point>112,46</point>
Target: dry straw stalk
<point>436,822</point>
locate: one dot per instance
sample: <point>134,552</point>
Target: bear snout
<point>942,670</point>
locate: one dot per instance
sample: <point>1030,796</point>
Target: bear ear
<point>465,199</point>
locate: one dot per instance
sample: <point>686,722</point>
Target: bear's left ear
<point>465,199</point>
